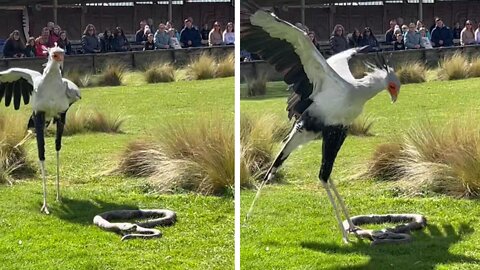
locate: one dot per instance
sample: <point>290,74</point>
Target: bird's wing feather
<point>72,91</point>
<point>339,63</point>
<point>290,51</point>
<point>15,84</point>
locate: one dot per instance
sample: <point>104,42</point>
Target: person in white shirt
<point>229,35</point>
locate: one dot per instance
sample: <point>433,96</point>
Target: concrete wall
<point>430,57</point>
<point>134,60</point>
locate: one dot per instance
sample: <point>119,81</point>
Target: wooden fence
<point>135,60</point>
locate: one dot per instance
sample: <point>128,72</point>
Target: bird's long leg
<point>58,146</point>
<point>335,210</point>
<point>39,129</point>
<point>342,205</point>
<point>296,137</point>
<point>333,138</point>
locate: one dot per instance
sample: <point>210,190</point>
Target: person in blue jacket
<point>190,36</point>
<point>442,36</point>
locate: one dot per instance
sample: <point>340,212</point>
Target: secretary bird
<point>326,97</point>
<point>51,96</point>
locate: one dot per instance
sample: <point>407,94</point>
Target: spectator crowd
<point>165,36</point>
<point>399,36</point>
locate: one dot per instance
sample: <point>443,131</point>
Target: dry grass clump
<point>257,86</point>
<point>79,78</point>
<point>203,67</point>
<point>197,156</point>
<point>13,160</point>
<point>82,121</point>
<point>226,66</point>
<point>112,74</point>
<point>474,68</point>
<point>412,72</point>
<point>361,126</point>
<point>258,137</point>
<point>432,159</point>
<point>160,73</point>
<point>454,67</point>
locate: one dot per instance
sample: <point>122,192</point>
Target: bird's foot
<point>354,229</point>
<point>44,209</point>
<point>345,240</point>
<point>58,198</point>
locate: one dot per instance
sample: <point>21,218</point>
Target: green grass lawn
<point>203,237</point>
<point>293,226</point>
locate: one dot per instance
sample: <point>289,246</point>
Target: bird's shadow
<point>83,211</point>
<point>425,251</point>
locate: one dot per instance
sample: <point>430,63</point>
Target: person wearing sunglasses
<point>467,36</point>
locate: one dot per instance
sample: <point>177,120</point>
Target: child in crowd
<point>398,44</point>
<point>30,48</point>
<point>149,44</point>
<point>174,43</point>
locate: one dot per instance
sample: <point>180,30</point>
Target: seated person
<point>190,36</point>
<point>90,42</point>
<point>14,46</point>
<point>398,45</point>
<point>149,44</point>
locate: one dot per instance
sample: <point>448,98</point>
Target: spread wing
<point>339,63</point>
<point>15,84</point>
<point>289,50</point>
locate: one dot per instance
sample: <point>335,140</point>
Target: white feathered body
<point>50,94</point>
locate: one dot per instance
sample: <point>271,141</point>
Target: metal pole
<point>303,12</point>
<point>420,10</point>
<point>170,16</point>
<point>55,7</point>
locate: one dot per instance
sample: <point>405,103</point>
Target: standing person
<point>205,33</point>
<point>161,37</point>
<point>421,25</point>
<point>477,34</point>
<point>149,44</point>
<point>14,47</point>
<point>215,36</point>
<point>140,37</point>
<point>355,39</point>
<point>457,30</point>
<point>90,42</point>
<point>41,43</point>
<point>106,41</point>
<point>441,35</point>
<point>229,34</point>
<point>54,36</point>
<point>174,42</point>
<point>338,42</point>
<point>398,45</point>
<point>30,48</point>
<point>467,36</point>
<point>390,37</point>
<point>190,36</point>
<point>120,41</point>
<point>168,26</point>
<point>412,37</point>
<point>368,38</point>
<point>64,43</point>
<point>424,40</point>
<point>311,35</point>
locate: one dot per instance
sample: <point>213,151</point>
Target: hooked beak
<point>393,90</point>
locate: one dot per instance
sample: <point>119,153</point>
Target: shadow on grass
<point>83,211</point>
<point>425,252</point>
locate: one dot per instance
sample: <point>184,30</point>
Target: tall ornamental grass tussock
<point>79,78</point>
<point>453,67</point>
<point>160,73</point>
<point>13,160</point>
<point>361,126</point>
<point>432,159</point>
<point>112,74</point>
<point>258,137</point>
<point>412,72</point>
<point>84,120</point>
<point>197,156</point>
<point>474,68</point>
<point>203,67</point>
<point>257,86</point>
<point>226,66</point>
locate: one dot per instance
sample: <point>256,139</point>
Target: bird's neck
<point>370,85</point>
<point>52,69</point>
